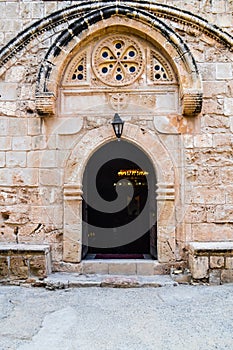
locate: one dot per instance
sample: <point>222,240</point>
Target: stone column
<point>72,236</point>
<point>166,225</point>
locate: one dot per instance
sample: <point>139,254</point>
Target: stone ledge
<point>207,248</point>
<point>5,247</point>
<point>211,261</point>
<point>24,261</point>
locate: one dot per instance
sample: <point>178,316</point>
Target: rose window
<point>118,60</point>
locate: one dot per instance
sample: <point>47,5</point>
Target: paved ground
<point>165,318</point>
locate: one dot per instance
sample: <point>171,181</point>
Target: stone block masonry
<point>58,95</point>
<point>211,262</point>
<point>24,262</point>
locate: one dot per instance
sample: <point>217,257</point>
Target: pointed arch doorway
<point>119,204</point>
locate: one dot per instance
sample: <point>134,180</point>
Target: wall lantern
<point>117,125</point>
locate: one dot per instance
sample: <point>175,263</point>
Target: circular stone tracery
<point>118,60</point>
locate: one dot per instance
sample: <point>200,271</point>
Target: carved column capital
<point>192,102</point>
<point>73,192</point>
<point>165,191</point>
<point>45,104</point>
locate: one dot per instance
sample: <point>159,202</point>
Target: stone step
<point>63,280</point>
<point>144,267</point>
<point>124,267</point>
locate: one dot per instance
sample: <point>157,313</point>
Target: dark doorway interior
<point>119,170</point>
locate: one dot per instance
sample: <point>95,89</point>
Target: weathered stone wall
<point>34,150</point>
<point>16,15</point>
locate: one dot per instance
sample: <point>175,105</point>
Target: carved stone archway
<point>68,42</point>
<point>167,188</point>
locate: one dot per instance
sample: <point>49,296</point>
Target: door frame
<point>167,188</point>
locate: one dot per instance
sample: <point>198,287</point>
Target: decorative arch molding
<point>172,43</point>
<point>68,14</point>
<point>93,139</point>
<point>191,99</point>
<point>167,188</point>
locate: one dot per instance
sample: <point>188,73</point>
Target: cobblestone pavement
<point>165,318</point>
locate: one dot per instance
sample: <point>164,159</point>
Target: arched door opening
<point>119,204</point>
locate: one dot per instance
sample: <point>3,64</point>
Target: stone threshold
<point>93,257</point>
<point>64,280</point>
<point>133,267</point>
<point>122,267</point>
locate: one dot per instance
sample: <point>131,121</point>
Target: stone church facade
<point>66,68</point>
